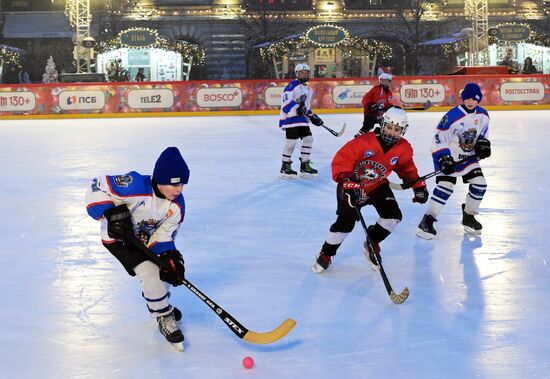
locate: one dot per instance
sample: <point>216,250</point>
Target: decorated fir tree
<point>117,73</point>
<point>50,76</point>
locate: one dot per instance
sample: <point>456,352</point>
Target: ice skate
<point>322,263</point>
<point>177,315</point>
<point>426,228</point>
<point>306,171</point>
<point>170,330</point>
<point>287,172</point>
<point>372,253</point>
<point>471,225</point>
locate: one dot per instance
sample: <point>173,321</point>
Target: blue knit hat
<point>171,168</point>
<point>472,91</point>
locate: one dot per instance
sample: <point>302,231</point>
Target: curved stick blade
<point>272,336</point>
<point>399,299</point>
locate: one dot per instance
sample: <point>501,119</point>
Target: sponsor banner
<point>150,98</point>
<point>526,91</point>
<point>81,100</point>
<point>219,97</point>
<point>273,96</point>
<point>420,93</point>
<point>352,94</point>
<point>17,101</point>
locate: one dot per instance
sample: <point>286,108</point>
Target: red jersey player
<point>361,168</point>
<point>375,102</point>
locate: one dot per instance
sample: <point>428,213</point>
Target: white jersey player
<point>135,208</point>
<point>294,120</point>
<point>459,142</point>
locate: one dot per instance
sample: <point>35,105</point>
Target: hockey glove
<point>446,164</point>
<point>119,223</point>
<point>172,269</point>
<point>301,110</point>
<point>421,195</point>
<point>351,193</point>
<point>315,120</point>
<point>483,148</point>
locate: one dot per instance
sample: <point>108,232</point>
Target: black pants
<point>368,123</point>
<point>128,255</point>
<point>382,199</point>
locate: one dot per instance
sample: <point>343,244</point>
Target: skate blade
<point>307,176</point>
<point>288,176</point>
<point>177,345</point>
<point>472,231</point>
<point>372,265</point>
<point>422,234</point>
<point>317,268</point>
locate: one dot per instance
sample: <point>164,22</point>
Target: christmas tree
<point>115,71</point>
<point>50,76</point>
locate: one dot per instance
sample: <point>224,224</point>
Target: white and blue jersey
<point>156,220</point>
<point>294,94</point>
<point>456,135</point>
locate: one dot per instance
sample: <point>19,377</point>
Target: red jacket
<point>364,157</point>
<point>377,96</point>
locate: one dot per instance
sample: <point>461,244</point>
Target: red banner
<point>251,95</point>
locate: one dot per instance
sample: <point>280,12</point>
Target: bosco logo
<point>219,97</point>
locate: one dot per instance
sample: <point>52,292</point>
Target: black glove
<point>447,164</point>
<point>172,269</point>
<point>483,148</point>
<point>119,223</point>
<point>315,120</point>
<point>301,110</point>
<point>420,195</point>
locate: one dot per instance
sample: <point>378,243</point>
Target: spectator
<point>528,67</point>
<point>25,77</point>
<point>140,76</point>
<point>11,76</point>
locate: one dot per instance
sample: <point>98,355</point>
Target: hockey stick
<point>427,105</point>
<point>397,299</point>
<point>231,322</point>
<point>404,186</point>
<point>334,132</point>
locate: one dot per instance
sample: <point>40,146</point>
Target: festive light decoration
<point>351,46</point>
<point>184,48</point>
<point>10,57</point>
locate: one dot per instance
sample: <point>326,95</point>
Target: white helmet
<point>302,67</point>
<point>396,116</point>
<point>383,76</point>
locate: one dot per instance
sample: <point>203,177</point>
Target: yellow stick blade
<point>270,337</point>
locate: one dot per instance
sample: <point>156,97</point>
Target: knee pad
<point>443,190</point>
<point>307,141</point>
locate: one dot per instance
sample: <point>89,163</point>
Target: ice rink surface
<point>478,306</point>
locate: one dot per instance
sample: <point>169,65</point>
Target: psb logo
<point>81,100</point>
<point>344,94</point>
<point>394,160</point>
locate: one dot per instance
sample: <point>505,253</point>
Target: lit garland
<point>351,46</point>
<point>186,49</point>
<point>534,37</point>
<point>10,57</point>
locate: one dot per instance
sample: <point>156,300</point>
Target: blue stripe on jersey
<point>482,111</point>
<point>96,210</point>
<point>180,202</point>
<point>300,120</point>
<point>461,166</point>
<point>293,84</point>
<point>289,106</point>
<point>130,184</point>
<point>160,247</point>
<point>450,118</point>
<point>437,154</point>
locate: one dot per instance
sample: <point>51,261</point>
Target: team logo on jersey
<point>146,228</point>
<point>369,171</point>
<point>122,180</point>
<point>467,139</point>
<point>476,121</point>
<point>368,154</point>
<point>394,160</point>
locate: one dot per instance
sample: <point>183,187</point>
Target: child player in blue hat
<point>461,135</point>
<point>134,207</point>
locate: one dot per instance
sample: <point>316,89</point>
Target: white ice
<point>478,306</point>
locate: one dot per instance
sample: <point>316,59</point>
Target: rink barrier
<point>256,97</point>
